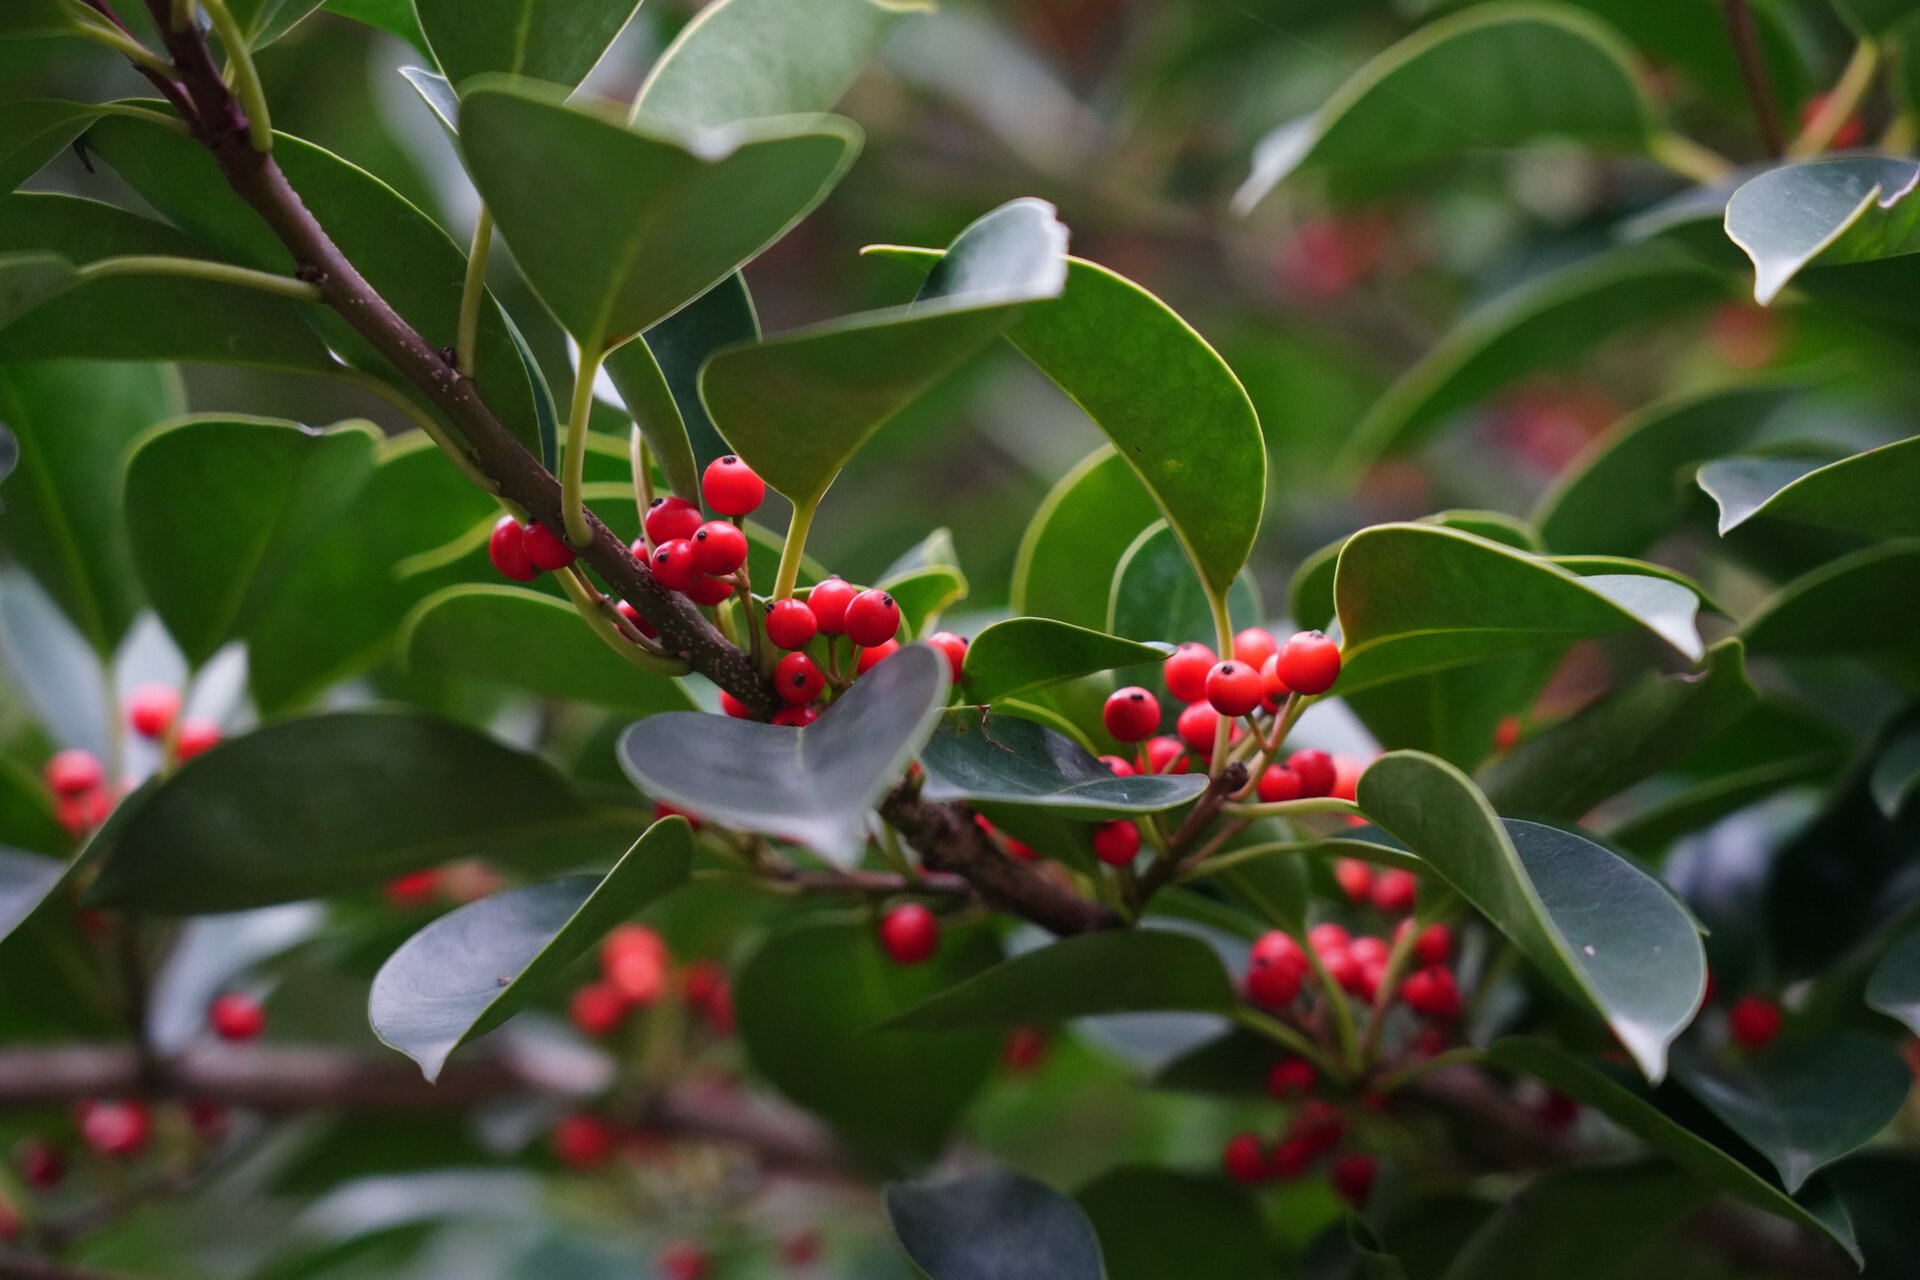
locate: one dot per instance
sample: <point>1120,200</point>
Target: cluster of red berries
<point>1278,966</point>
<point>82,794</point>
<point>1314,1133</point>
<point>636,972</point>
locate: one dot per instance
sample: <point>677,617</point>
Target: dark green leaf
<point>1023,653</point>
<point>1126,971</point>
<point>25,881</point>
<point>643,389</point>
<point>29,279</point>
<point>1006,760</point>
<point>993,1225</point>
<point>472,969</point>
<point>1877,18</point>
<point>1869,493</point>
<point>924,594</point>
<point>1693,40</point>
<point>264,21</point>
<point>371,794</point>
<point>1155,1223</point>
<point>1861,603</point>
<point>1078,534</point>
<point>395,17</point>
<point>1581,1223</point>
<point>34,18</point>
<point>34,131</point>
<point>1894,988</point>
<point>1829,211</point>
<point>1157,597</point>
<point>535,38</point>
<point>812,785</point>
<point>681,343</point>
<point>1896,771</point>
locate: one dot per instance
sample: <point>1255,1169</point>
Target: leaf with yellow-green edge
<point>525,640</point>
<point>264,21</point>
<point>1019,654</point>
<point>261,492</point>
<point>395,17</point>
<point>1497,75</point>
<point>1826,213</point>
<point>475,967</point>
<point>1076,538</point>
<point>1860,603</point>
<point>1868,493</point>
<point>1598,927</point>
<point>540,39</point>
<point>798,405</point>
<point>643,388</point>
<point>618,226</point>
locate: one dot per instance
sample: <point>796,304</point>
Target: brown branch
<point>1223,788</point>
<point>1753,73</point>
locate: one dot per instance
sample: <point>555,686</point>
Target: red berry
<point>1186,671</point>
<point>1291,1157</point>
<point>1235,689</point>
<point>1022,1050</point>
<point>1394,892</point>
<point>1320,1126</point>
<point>236,1016</point>
<point>1852,130</point>
<point>1166,755</point>
<point>507,548</point>
<point>74,772</point>
<point>1279,784</point>
<point>1277,950</point>
<point>1196,728</point>
<point>1433,946</point>
<point>1252,647</point>
<point>801,1250</point>
<point>632,615</point>
<point>545,548</point>
<point>1132,714</point>
<point>910,933</point>
<point>1432,991</point>
<point>700,980</point>
<point>1352,1176</point>
<point>719,548</point>
<point>734,707</point>
<point>708,591</point>
<point>1277,689</point>
<point>1346,777</point>
<point>1117,767</point>
<point>797,678</point>
<point>1556,1111</point>
<point>1754,1021</point>
<point>582,1141</point>
<point>151,709</point>
<point>415,889</point>
<point>597,1009</point>
<point>1309,663</point>
<point>1244,1159</point>
<point>1506,734</point>
<point>874,656</point>
<point>731,487</point>
<point>1116,843</point>
<point>41,1163</point>
<point>1315,770</point>
<point>683,1260</point>
<point>196,737</point>
<point>1354,877</point>
<point>872,618</point>
<point>954,647</point>
<point>114,1127</point>
<point>673,564</point>
<point>1276,967</point>
<point>1328,936</point>
<point>795,717</point>
<point>669,518</point>
<point>1291,1076</point>
<point>635,963</point>
<point>1368,950</point>
<point>829,601</point>
<point>791,624</point>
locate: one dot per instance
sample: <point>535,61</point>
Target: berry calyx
<point>829,601</point>
<point>1290,1078</point>
<point>797,678</point>
<point>582,1141</point>
<point>954,647</point>
<point>1244,1160</point>
<point>597,1009</point>
<point>1186,671</point>
<point>796,717</point>
<point>872,618</point>
<point>1309,663</point>
<point>910,933</point>
<point>74,772</point>
<point>1315,770</point>
<point>236,1016</point>
<point>546,549</point>
<point>873,657</point>
<point>719,548</point>
<point>151,709</point>
<point>1754,1021</point>
<point>507,548</point>
<point>1352,1177</point>
<point>1278,784</point>
<point>1252,647</point>
<point>669,518</point>
<point>1132,714</point>
<point>1235,689</point>
<point>731,487</point>
<point>115,1127</point>
<point>673,564</point>
<point>791,624</point>
<point>1116,843</point>
<point>196,738</point>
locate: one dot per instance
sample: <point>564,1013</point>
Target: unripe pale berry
<point>1309,663</point>
<point>196,737</point>
<point>1196,728</point>
<point>151,709</point>
<point>1234,688</point>
<point>829,600</point>
<point>545,548</point>
<point>1279,784</point>
<point>1244,1160</point>
<point>1315,770</point>
<point>708,591</point>
<point>910,933</point>
<point>719,548</point>
<point>1185,672</point>
<point>872,618</point>
<point>1132,714</point>
<point>872,657</point>
<point>507,548</point>
<point>954,647</point>
<point>731,487</point>
<point>797,678</point>
<point>74,772</point>
<point>791,624</point>
<point>1116,843</point>
<point>1254,646</point>
<point>673,564</point>
<point>597,1009</point>
<point>236,1016</point>
<point>1753,1022</point>
<point>669,518</point>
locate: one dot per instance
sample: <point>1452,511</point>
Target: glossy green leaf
<point>544,40</point>
<point>1829,212</point>
<point>1635,1113</point>
<point>924,594</point>
<point>32,18</point>
<point>681,343</point>
<point>438,94</point>
<point>1157,597</point>
<point>1414,598</point>
<point>744,59</point>
<point>372,794</point>
<point>27,819</point>
<point>75,422</point>
<point>472,969</point>
<point>29,279</point>
<point>1894,988</point>
<point>1805,1103</point>
<point>34,131</point>
<point>993,1225</point>
<point>526,640</point>
<point>643,388</point>
<point>261,490</point>
<point>1018,654</point>
<point>1597,926</point>
<point>25,881</point>
<point>1626,491</point>
<point>1548,321</point>
<point>1006,760</point>
<point>1498,75</point>
<point>1877,18</point>
<point>395,17</point>
<point>1076,539</point>
<point>1633,733</point>
<point>935,551</point>
<point>1584,1223</point>
<point>617,227</point>
<point>1895,779</point>
<point>264,21</point>
<point>799,405</point>
<point>813,785</point>
<point>1860,603</point>
<point>806,999</point>
<point>1869,493</point>
<point>1124,971</point>
<point>1154,1223</point>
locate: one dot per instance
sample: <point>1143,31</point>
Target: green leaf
<point>75,422</point>
<point>1805,1103</point>
<point>395,17</point>
<point>617,226</point>
<point>1869,493</point>
<point>893,1092</point>
<point>744,59</point>
<point>261,491</point>
<point>1548,321</point>
<point>1000,759</point>
<point>472,969</point>
<point>372,794</point>
<point>799,405</point>
<point>993,1225</point>
<point>34,131</point>
<point>1894,988</point>
<point>1154,1223</point>
<point>813,785</point>
<point>1498,75</point>
<point>1125,971</point>
<point>1581,1223</point>
<point>27,819</point>
<point>535,38</point>
<point>438,94</point>
<point>924,594</point>
<point>1627,490</point>
<point>526,640</point>
<point>264,21</point>
<point>681,343</point>
<point>25,881</point>
<point>1414,598</point>
<point>29,279</point>
<point>1024,653</point>
<point>643,389</point>
<point>1895,779</point>
<point>32,18</point>
<point>1693,40</point>
<point>1599,927</point>
<point>1633,733</point>
<point>1156,596</point>
<point>1076,539</point>
<point>1860,603</point>
<point>1877,18</point>
<point>1827,212</point>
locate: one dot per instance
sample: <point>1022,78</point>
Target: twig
<point>1753,73</point>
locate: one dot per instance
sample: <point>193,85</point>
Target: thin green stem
<point>1213,866</point>
<point>473,291</point>
<point>794,548</point>
<point>572,507</point>
<point>1292,808</point>
<point>1280,1033</point>
<point>131,112</point>
<point>593,607</point>
<point>1841,102</point>
<point>123,44</point>
<point>1401,1077</point>
<point>201,269</point>
<point>1342,1008</point>
<point>1684,156</point>
<point>1383,995</point>
<point>1223,645</point>
<point>246,76</point>
<point>642,459</point>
